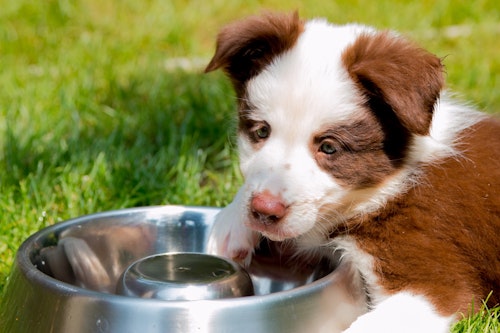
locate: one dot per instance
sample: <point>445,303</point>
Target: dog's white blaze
<point>307,86</point>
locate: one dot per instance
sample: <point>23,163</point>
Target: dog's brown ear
<point>245,47</point>
<point>394,71</point>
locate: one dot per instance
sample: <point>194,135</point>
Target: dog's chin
<point>275,232</point>
<point>277,237</point>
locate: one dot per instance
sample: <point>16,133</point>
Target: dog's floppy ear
<point>393,70</point>
<point>245,47</point>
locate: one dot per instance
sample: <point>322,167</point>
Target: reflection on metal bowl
<point>65,279</point>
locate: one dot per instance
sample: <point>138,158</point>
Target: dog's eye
<point>258,131</point>
<point>262,132</point>
<point>327,147</point>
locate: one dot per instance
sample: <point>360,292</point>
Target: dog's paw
<point>231,238</point>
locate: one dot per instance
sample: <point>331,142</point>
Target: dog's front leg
<point>402,312</point>
<point>230,237</point>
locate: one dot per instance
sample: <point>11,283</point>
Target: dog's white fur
<point>296,95</point>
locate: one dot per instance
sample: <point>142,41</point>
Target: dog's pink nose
<point>267,208</point>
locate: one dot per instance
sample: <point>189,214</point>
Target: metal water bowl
<point>126,271</point>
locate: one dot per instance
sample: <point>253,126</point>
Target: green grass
<point>484,320</point>
<point>91,118</point>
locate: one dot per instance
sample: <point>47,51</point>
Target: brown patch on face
<point>357,157</point>
<point>440,239</point>
<point>245,47</point>
<point>254,130</point>
<point>398,77</point>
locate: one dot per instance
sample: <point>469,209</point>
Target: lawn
<point>98,112</point>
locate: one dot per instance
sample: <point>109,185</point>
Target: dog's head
<point>327,117</point>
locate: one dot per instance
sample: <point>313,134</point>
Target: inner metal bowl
<point>185,276</point>
<point>65,278</point>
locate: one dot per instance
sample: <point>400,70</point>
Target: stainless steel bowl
<point>65,279</point>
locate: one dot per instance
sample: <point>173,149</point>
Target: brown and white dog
<point>349,142</point>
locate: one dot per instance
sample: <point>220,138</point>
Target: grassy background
<point>93,117</point>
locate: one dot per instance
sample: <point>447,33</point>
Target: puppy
<point>348,142</point>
